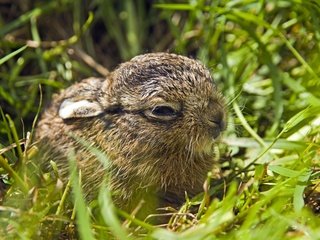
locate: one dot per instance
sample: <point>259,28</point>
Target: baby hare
<point>156,117</point>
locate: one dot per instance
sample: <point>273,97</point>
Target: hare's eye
<point>163,111</point>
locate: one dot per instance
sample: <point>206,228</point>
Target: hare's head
<point>156,105</point>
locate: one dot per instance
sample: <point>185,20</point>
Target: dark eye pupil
<point>163,111</point>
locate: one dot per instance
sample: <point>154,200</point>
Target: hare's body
<point>156,117</point>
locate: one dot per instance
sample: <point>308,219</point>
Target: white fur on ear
<point>79,109</point>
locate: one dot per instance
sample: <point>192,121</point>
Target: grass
<point>264,55</point>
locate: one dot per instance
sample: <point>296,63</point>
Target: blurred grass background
<point>264,55</point>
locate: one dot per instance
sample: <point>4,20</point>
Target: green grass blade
<point>15,137</point>
<point>298,196</point>
<point>82,214</point>
<point>175,6</point>
<point>18,180</point>
<point>109,214</point>
<point>11,55</point>
<point>300,116</point>
<point>26,17</point>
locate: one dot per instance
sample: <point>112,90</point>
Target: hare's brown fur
<point>162,156</point>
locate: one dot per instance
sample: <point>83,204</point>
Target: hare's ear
<point>70,108</point>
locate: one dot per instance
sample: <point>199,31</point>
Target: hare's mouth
<point>208,149</point>
<point>215,132</point>
<point>215,127</point>
<point>204,145</point>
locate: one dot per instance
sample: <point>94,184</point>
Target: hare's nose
<point>215,128</point>
<point>216,125</point>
